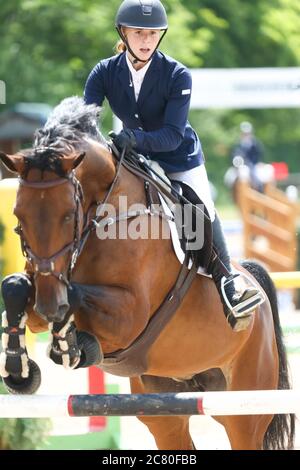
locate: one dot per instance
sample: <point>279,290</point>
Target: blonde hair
<point>120,47</point>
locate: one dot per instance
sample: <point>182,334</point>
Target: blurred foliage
<point>48,48</point>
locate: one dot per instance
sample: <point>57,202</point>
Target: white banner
<point>246,88</point>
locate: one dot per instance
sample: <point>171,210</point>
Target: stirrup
<point>249,300</point>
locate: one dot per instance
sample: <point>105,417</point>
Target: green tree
<point>48,48</point>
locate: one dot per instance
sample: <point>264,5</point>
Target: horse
<point>100,297</point>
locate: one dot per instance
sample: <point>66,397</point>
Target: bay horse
<point>99,296</point>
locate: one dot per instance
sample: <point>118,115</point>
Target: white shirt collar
<point>137,76</point>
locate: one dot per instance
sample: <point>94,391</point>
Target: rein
<point>171,193</point>
<point>46,266</point>
<point>99,222</point>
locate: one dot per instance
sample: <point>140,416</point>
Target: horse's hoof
<point>91,353</point>
<point>20,386</point>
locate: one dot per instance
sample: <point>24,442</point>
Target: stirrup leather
<point>246,306</point>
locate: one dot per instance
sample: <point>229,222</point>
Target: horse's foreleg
<point>169,432</point>
<point>63,349</point>
<point>20,374</point>
<point>69,347</point>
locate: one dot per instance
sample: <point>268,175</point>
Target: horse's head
<point>50,215</point>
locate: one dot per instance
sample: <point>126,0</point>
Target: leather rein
<point>46,266</point>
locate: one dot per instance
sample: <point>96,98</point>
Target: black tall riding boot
<point>238,308</point>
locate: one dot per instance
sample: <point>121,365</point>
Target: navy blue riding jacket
<point>159,118</point>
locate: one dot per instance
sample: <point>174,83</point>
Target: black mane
<point>63,133</point>
<point>44,159</point>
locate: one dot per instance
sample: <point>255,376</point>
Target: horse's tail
<point>281,431</point>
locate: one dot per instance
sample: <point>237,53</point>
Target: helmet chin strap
<point>136,58</point>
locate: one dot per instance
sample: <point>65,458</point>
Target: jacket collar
<point>151,78</point>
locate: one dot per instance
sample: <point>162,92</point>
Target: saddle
<point>190,215</point>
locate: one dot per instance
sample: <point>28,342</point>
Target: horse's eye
<point>68,218</point>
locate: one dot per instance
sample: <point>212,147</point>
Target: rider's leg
<point>198,181</point>
<point>239,307</point>
<point>16,290</point>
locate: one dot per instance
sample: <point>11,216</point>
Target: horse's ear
<point>70,163</point>
<point>13,163</point>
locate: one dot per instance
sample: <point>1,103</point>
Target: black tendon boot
<point>71,348</point>
<point>20,374</point>
<point>238,308</point>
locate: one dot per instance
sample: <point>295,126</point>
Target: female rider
<point>150,93</point>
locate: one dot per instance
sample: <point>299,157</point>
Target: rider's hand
<point>124,140</point>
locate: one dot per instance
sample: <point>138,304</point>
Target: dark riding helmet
<point>142,14</point>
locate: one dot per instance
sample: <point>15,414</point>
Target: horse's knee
<point>16,289</point>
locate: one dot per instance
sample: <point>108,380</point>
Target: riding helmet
<point>142,14</point>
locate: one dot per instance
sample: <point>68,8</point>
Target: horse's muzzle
<point>51,300</point>
<point>57,316</point>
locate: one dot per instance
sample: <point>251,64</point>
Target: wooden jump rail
<point>165,404</point>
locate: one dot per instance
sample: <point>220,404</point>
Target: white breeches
<point>197,179</point>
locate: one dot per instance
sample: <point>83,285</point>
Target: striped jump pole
<point>165,404</point>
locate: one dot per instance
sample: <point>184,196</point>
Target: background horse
<point>109,290</point>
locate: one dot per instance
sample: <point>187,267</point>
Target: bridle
<point>46,266</point>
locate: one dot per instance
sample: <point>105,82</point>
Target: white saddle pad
<point>175,237</point>
<point>167,211</point>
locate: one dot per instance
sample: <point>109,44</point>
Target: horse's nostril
<point>62,310</point>
<point>59,316</point>
<point>43,316</point>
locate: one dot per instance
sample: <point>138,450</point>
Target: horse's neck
<point>96,172</point>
